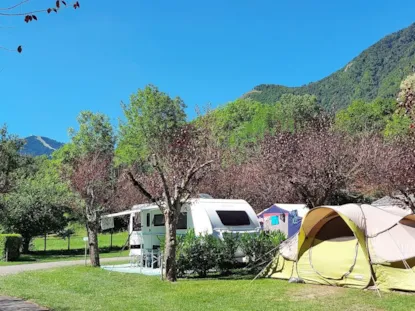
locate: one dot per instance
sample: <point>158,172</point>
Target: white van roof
<point>151,206</point>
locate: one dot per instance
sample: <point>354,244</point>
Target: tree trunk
<point>93,243</point>
<point>25,245</point>
<point>170,272</point>
<point>69,243</point>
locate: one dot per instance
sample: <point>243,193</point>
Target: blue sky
<point>204,51</point>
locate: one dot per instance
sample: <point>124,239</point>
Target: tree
<point>150,115</point>
<point>361,117</point>
<point>406,96</point>
<point>87,164</point>
<point>37,204</point>
<point>170,158</point>
<point>394,168</point>
<point>398,126</point>
<point>294,112</point>
<point>31,15</point>
<point>316,164</point>
<point>10,159</point>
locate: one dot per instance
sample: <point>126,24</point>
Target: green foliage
<point>227,248</point>
<point>260,247</point>
<point>376,72</point>
<point>245,122</point>
<point>95,133</point>
<point>150,116</point>
<point>10,247</point>
<point>362,117</point>
<point>241,122</point>
<point>196,253</point>
<point>398,126</point>
<point>205,252</point>
<point>293,112</point>
<point>10,159</point>
<point>38,203</point>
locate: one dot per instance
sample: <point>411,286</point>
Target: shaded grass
<point>57,248</point>
<point>83,288</point>
<point>52,256</point>
<point>54,242</point>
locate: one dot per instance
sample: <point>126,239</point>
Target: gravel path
<point>15,304</point>
<point>7,270</point>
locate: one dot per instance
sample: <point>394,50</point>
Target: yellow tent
<point>352,246</point>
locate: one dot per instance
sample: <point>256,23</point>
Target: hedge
<point>203,253</point>
<point>10,247</point>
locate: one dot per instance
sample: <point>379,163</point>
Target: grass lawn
<point>83,288</point>
<point>76,242</point>
<point>57,248</point>
<point>40,257</point>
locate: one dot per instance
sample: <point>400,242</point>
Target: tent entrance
<point>332,255</point>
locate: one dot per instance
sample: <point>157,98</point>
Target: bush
<point>226,252</point>
<point>10,246</point>
<point>260,247</point>
<point>203,253</point>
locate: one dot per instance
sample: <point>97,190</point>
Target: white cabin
<point>205,216</point>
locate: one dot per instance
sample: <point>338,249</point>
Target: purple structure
<point>276,218</point>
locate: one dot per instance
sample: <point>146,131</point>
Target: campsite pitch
<point>83,288</point>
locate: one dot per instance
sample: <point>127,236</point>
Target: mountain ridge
<point>375,72</point>
<point>40,145</point>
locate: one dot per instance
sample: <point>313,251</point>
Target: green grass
<point>57,248</point>
<point>83,288</point>
<point>76,241</point>
<point>48,257</point>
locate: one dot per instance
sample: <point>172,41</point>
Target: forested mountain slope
<point>376,72</point>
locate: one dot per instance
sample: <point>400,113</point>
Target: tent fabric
<point>351,245</point>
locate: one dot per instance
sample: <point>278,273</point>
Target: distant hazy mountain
<point>376,72</point>
<point>37,146</point>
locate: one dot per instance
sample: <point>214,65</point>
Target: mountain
<point>376,72</point>
<point>37,145</point>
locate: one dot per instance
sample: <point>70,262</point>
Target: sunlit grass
<point>83,288</point>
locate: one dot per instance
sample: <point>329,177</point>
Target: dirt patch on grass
<point>362,308</point>
<point>307,292</point>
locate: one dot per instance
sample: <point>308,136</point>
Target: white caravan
<point>204,216</point>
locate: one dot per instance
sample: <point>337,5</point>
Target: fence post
<point>7,254</point>
<point>111,240</point>
<point>44,247</point>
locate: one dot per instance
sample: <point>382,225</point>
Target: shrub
<point>226,252</point>
<point>202,253</point>
<point>260,247</point>
<point>10,246</point>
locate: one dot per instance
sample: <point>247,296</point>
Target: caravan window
<point>148,219</point>
<point>234,218</point>
<point>182,224</point>
<point>158,220</point>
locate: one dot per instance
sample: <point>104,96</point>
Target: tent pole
<point>405,263</point>
<point>264,269</point>
<point>368,254</point>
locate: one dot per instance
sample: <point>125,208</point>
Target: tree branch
<point>14,6</point>
<point>192,171</point>
<point>140,187</point>
<point>157,166</point>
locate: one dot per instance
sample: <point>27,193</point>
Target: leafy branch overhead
<point>31,15</point>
